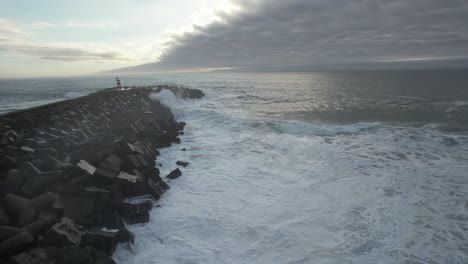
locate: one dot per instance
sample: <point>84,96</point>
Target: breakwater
<point>74,173</point>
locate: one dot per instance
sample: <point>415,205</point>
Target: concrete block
<point>79,209</point>
<point>103,241</point>
<point>174,174</point>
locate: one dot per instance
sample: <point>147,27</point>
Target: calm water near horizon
<point>321,167</point>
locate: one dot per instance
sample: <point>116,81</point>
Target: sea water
<point>342,167</point>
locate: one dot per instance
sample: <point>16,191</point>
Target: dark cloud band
<point>324,31</point>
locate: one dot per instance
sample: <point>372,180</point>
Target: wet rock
<point>136,205</point>
<point>112,220</point>
<point>151,187</point>
<point>103,241</point>
<point>64,233</point>
<point>151,173</point>
<point>163,140</point>
<point>182,163</point>
<point>174,174</point>
<point>137,161</point>
<point>124,235</point>
<point>137,218</point>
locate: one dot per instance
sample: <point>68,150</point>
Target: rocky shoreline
<point>74,173</point>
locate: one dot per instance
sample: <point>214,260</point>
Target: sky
<point>61,38</point>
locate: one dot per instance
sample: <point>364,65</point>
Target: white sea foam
<point>71,95</point>
<point>166,97</point>
<point>264,191</point>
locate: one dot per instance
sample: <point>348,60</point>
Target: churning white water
<point>266,190</point>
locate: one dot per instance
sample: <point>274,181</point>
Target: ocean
<point>323,167</point>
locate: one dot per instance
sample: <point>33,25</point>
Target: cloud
<point>15,39</point>
<point>10,27</point>
<point>62,51</point>
<point>324,31</point>
<point>72,24</point>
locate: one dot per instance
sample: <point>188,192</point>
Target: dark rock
<point>15,244</point>
<point>7,232</point>
<point>64,233</point>
<point>182,163</point>
<point>136,205</point>
<point>137,218</point>
<point>37,181</point>
<point>174,174</point>
<point>151,187</point>
<point>79,209</point>
<point>6,139</point>
<point>50,151</point>
<point>14,177</point>
<point>163,140</point>
<point>76,186</point>
<point>26,150</point>
<point>112,220</point>
<point>105,176</point>
<point>38,227</point>
<point>124,235</point>
<point>112,163</point>
<point>38,163</point>
<point>7,162</point>
<point>103,241</point>
<point>116,193</point>
<point>26,211</point>
<point>129,183</point>
<point>102,198</point>
<point>33,256</point>
<point>133,161</point>
<point>20,209</point>
<point>164,185</point>
<point>75,255</point>
<point>43,201</point>
<point>6,188</point>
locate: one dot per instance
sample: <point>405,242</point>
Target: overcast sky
<point>56,37</point>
